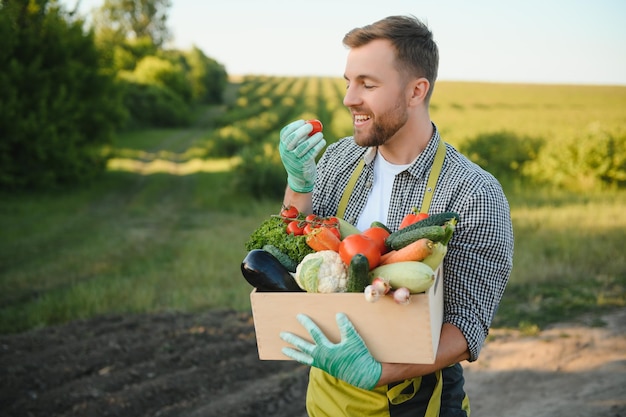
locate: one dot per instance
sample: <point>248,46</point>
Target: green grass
<point>569,257</point>
<point>131,244</point>
<point>164,228</point>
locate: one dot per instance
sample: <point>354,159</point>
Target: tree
<point>120,20</point>
<point>157,93</point>
<point>160,86</point>
<point>57,109</point>
<point>208,77</point>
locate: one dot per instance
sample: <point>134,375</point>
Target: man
<point>390,73</point>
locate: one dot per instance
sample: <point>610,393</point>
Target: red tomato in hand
<point>317,126</point>
<point>412,218</point>
<point>359,243</point>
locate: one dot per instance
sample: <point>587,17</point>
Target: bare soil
<point>183,365</point>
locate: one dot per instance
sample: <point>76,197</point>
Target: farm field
<point>125,297</point>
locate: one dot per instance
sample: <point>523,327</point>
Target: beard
<point>383,127</point>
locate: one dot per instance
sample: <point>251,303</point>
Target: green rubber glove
<point>348,360</point>
<point>298,152</point>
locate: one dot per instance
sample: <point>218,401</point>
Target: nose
<point>351,98</point>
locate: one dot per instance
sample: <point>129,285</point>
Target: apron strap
<point>347,192</point>
<point>395,395</point>
<point>433,176</point>
<point>434,404</point>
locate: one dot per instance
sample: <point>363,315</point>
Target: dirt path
<point>569,370</point>
<point>184,365</point>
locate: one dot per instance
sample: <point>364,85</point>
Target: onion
<point>381,285</point>
<point>402,295</point>
<point>371,294</point>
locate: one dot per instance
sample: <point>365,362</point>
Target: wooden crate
<point>393,333</point>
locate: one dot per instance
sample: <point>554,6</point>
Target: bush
<point>165,74</point>
<point>58,110</point>
<point>595,159</point>
<point>503,154</point>
<point>260,172</point>
<point>228,141</point>
<point>153,105</point>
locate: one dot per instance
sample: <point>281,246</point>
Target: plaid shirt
<point>480,255</point>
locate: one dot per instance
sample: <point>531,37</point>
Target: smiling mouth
<point>361,118</point>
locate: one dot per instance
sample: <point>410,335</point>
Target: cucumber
<point>400,240</point>
<point>416,276</point>
<point>283,258</point>
<point>358,273</point>
<point>438,219</point>
<point>381,225</point>
<point>347,229</point>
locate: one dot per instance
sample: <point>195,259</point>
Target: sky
<point>531,41</point>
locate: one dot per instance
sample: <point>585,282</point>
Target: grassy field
<point>164,229</point>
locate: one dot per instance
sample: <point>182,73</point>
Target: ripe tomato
<point>378,235</point>
<point>311,218</point>
<point>308,228</point>
<point>311,222</point>
<point>331,221</point>
<point>411,218</point>
<point>295,227</point>
<point>359,243</point>
<point>317,126</point>
<point>289,212</point>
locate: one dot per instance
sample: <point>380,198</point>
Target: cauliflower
<point>322,271</point>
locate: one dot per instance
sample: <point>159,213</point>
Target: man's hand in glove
<point>298,152</point>
<point>348,360</point>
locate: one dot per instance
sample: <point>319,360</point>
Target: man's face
<point>375,93</point>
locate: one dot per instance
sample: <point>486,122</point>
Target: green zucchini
<point>381,225</point>
<point>358,273</point>
<point>416,276</point>
<point>347,229</point>
<point>400,240</point>
<point>282,257</point>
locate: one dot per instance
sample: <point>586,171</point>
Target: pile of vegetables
<point>296,252</point>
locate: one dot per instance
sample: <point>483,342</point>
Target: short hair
<point>416,51</point>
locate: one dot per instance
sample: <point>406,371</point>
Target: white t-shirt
<point>377,204</point>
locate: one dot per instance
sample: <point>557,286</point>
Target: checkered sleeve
<point>478,263</point>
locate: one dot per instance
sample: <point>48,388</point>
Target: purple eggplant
<point>264,271</point>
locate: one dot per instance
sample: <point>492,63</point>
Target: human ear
<point>419,89</point>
